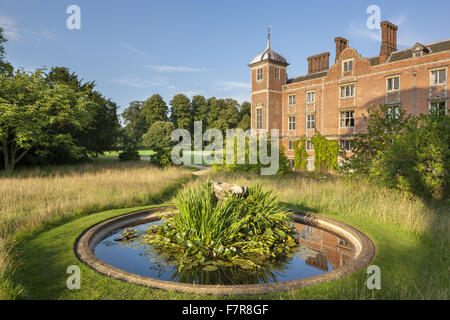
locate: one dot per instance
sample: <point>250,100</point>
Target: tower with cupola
<point>268,75</point>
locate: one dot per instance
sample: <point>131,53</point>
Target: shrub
<point>326,153</point>
<point>300,154</point>
<point>418,160</point>
<point>161,157</point>
<point>129,154</point>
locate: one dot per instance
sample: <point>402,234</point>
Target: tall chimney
<point>388,40</point>
<point>341,45</point>
<point>318,63</point>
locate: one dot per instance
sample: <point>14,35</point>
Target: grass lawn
<point>411,239</point>
<point>115,154</point>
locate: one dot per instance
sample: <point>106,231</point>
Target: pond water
<point>319,252</point>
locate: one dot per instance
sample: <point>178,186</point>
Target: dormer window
<point>259,74</point>
<point>419,50</point>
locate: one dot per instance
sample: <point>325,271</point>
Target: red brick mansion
<point>332,99</point>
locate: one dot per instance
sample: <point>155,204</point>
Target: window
<point>347,65</point>
<point>439,107</point>
<point>309,145</point>
<point>291,123</point>
<point>291,163</point>
<point>310,97</point>
<point>292,99</point>
<point>393,112</point>
<point>259,74</point>
<point>348,91</point>
<point>277,73</point>
<point>343,243</point>
<point>347,119</point>
<point>393,84</point>
<point>438,77</point>
<point>259,119</point>
<point>345,145</point>
<point>417,53</point>
<point>310,121</point>
<point>291,145</point>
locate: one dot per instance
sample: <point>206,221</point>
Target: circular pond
<point>328,250</point>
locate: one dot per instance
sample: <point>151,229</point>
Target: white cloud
<point>43,34</point>
<point>132,49</point>
<point>9,26</point>
<point>167,68</point>
<point>139,83</point>
<point>230,85</point>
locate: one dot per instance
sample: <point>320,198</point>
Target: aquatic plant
<point>244,231</point>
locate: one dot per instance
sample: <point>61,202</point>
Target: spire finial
<point>268,36</point>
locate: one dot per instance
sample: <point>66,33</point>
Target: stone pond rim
<point>363,253</point>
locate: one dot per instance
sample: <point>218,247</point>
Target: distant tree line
<point>144,120</point>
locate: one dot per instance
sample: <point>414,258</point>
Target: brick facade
<point>411,71</point>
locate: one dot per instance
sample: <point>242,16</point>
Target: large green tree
<point>154,109</point>
<point>103,131</point>
<point>244,116</point>
<point>200,109</point>
<point>135,123</point>
<point>30,108</point>
<point>181,112</point>
<point>5,67</point>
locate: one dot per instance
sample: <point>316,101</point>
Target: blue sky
<point>133,49</point>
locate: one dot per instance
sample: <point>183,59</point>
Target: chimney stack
<point>318,63</point>
<point>341,45</point>
<point>388,40</point>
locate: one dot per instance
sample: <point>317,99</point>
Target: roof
<point>407,53</point>
<point>269,54</point>
<point>395,56</point>
<point>308,77</point>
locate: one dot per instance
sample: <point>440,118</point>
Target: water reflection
<point>318,252</point>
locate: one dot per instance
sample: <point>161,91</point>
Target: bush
<point>300,154</point>
<point>326,153</point>
<point>161,157</point>
<point>405,152</point>
<point>418,160</point>
<point>129,154</point>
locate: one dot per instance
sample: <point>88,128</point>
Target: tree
<point>159,135</point>
<point>382,126</point>
<point>200,109</point>
<point>418,160</point>
<point>5,67</point>
<point>154,109</point>
<point>30,107</point>
<point>181,115</point>
<point>223,114</point>
<point>135,123</point>
<point>158,138</point>
<point>102,132</point>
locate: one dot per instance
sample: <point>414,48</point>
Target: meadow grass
<point>411,239</point>
<point>32,200</point>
